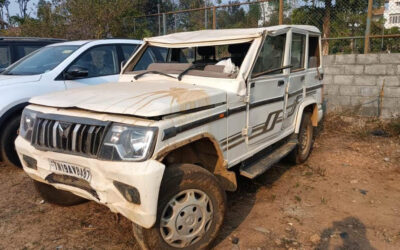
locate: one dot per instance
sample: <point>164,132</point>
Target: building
<point>392,14</point>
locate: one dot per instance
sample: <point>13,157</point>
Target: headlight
<point>27,123</point>
<point>127,143</point>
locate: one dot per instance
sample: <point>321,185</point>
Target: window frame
<point>280,33</point>
<point>303,66</point>
<point>319,63</point>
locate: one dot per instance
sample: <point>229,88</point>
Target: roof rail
<point>31,38</point>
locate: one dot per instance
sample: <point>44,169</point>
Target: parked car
<point>14,48</point>
<point>161,146</point>
<point>55,67</point>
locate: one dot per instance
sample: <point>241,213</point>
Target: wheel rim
<point>186,218</point>
<point>305,139</point>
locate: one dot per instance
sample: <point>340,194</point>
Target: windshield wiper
<point>271,71</point>
<point>193,66</point>
<point>152,72</point>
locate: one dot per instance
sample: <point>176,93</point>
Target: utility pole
<point>280,12</point>
<point>214,17</point>
<point>368,29</point>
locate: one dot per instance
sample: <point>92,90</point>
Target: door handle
<point>281,82</point>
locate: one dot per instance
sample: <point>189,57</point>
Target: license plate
<point>70,169</point>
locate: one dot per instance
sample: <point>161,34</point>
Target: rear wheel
<point>191,210</point>
<point>7,138</point>
<point>55,196</point>
<point>306,140</point>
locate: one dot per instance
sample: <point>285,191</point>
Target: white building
<point>392,14</point>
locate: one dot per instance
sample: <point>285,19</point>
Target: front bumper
<point>144,176</point>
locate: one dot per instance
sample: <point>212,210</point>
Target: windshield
<point>221,61</point>
<point>41,61</point>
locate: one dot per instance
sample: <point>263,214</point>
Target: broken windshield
<point>222,61</point>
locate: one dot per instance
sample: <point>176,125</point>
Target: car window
<point>151,55</point>
<point>41,60</point>
<point>99,61</point>
<point>298,51</point>
<point>23,50</point>
<point>314,58</point>
<point>271,55</point>
<point>128,50</point>
<point>5,57</point>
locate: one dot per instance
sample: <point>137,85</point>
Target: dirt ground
<point>346,196</point>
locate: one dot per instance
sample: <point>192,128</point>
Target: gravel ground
<point>346,196</point>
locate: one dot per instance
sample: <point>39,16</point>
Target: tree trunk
<point>326,26</point>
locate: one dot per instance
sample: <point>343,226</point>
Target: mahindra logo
<point>63,129</point>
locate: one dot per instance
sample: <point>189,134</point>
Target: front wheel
<point>7,139</point>
<point>306,140</point>
<point>191,210</point>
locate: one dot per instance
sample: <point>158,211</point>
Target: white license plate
<point>70,169</point>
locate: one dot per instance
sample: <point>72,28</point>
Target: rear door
<point>102,64</point>
<point>297,77</point>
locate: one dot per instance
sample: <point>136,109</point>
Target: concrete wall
<point>353,83</point>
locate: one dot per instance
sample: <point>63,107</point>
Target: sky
<point>14,9</point>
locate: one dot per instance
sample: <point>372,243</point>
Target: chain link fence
<point>348,26</point>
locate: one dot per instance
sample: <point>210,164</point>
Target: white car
<point>190,111</point>
<point>55,67</point>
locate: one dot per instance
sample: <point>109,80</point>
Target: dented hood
<point>141,98</point>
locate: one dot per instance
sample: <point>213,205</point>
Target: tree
<point>23,8</point>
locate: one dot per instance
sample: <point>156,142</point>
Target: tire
<point>306,140</point>
<point>182,183</point>
<point>55,196</point>
<point>7,138</point>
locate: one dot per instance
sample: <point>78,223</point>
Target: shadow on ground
<point>352,236</point>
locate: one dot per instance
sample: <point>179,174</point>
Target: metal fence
<point>348,26</point>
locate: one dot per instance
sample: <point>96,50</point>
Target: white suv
<point>53,68</point>
<point>161,147</point>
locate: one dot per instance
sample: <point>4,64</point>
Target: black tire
<point>306,140</point>
<point>177,179</point>
<point>55,196</point>
<point>7,138</point>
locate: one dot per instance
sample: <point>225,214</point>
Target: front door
<point>267,91</point>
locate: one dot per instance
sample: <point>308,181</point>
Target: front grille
<point>69,137</point>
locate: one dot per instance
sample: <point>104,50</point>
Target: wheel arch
<point>307,106</point>
<point>12,111</point>
<point>203,150</point>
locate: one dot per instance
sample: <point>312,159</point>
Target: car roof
<point>98,42</point>
<point>30,39</point>
<point>221,36</point>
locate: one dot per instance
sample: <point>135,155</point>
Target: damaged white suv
<point>191,110</point>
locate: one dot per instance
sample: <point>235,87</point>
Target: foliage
<point>91,19</point>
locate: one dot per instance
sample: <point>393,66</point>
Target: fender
<point>314,118</point>
<point>226,177</point>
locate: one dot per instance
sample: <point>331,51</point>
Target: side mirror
<point>75,72</point>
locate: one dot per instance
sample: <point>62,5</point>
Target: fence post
<point>205,19</point>
<point>159,19</point>
<point>280,12</point>
<point>214,17</point>
<point>164,21</point>
<point>368,29</point>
